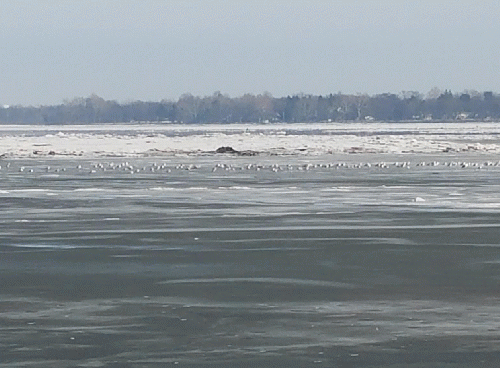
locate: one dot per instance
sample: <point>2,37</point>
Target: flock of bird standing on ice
<point>154,167</point>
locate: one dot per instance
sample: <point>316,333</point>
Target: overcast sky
<point>52,50</point>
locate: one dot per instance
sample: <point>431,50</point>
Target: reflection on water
<point>348,261</point>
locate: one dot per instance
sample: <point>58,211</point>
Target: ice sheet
<point>144,140</point>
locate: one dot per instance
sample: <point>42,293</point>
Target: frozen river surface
<point>364,260</point>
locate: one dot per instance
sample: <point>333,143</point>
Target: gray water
<point>335,261</point>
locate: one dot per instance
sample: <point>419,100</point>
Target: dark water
<point>250,262</point>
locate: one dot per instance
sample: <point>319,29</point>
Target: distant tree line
<point>220,108</point>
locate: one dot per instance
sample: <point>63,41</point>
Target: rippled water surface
<point>348,261</point>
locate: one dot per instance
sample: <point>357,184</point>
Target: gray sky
<point>125,50</point>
